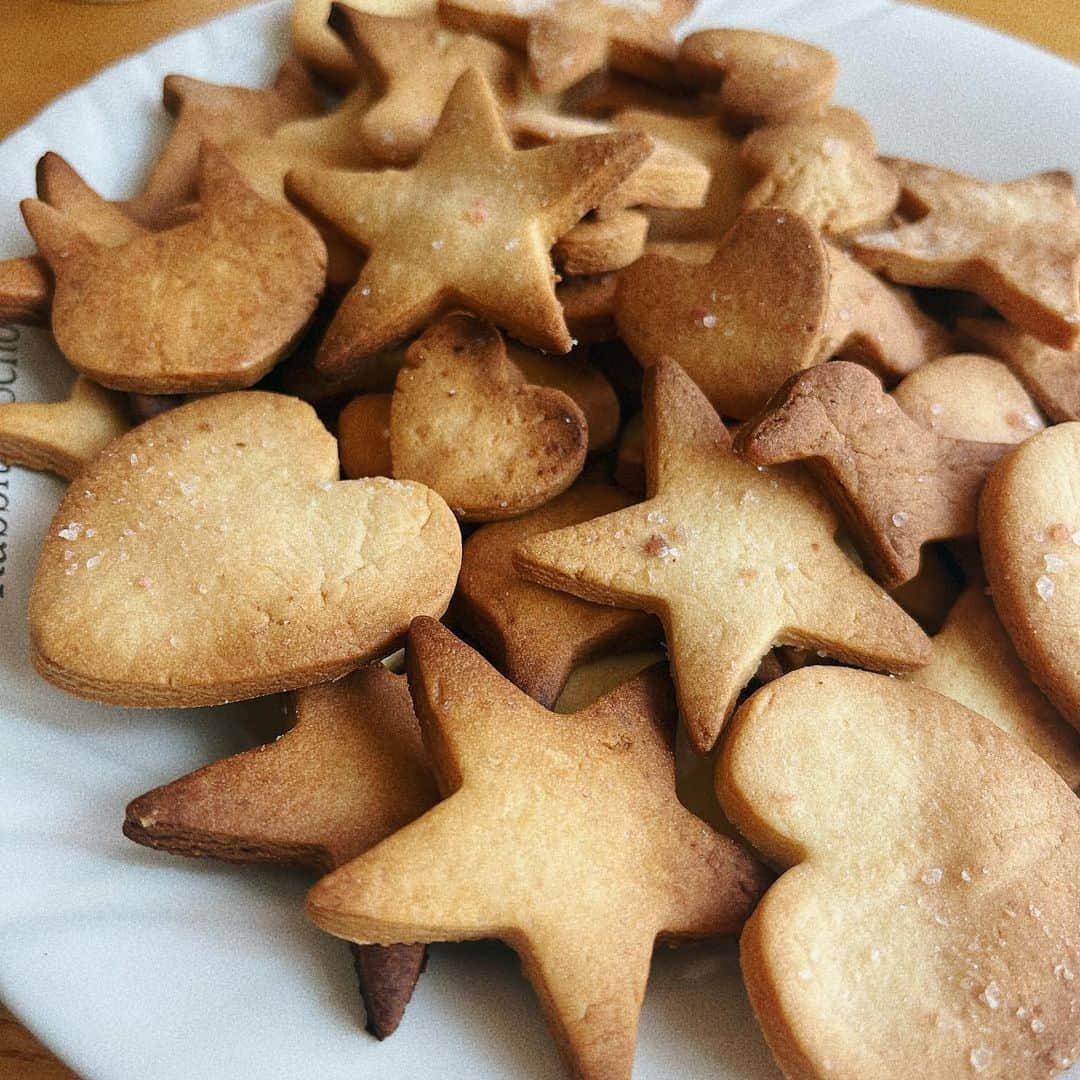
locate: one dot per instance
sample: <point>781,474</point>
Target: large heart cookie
<point>210,555</point>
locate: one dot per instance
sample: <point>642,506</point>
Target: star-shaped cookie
<point>562,835</point>
<point>350,771</point>
<point>1016,244</point>
<point>565,40</point>
<point>732,558</point>
<point>471,224</point>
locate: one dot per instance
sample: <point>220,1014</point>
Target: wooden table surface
<point>52,45</point>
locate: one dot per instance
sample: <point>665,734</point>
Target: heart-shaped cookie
<point>464,422</point>
<point>739,325</point>
<point>211,555</point>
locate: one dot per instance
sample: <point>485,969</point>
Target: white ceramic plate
<point>133,965</point>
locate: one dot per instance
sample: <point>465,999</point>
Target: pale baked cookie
<point>1029,532</point>
<point>464,422</point>
<point>826,170</point>
<point>565,40</point>
<point>928,922</point>
<point>25,291</point>
<point>1051,376</point>
<point>170,575</point>
<point>533,844</point>
<point>733,559</point>
<point>350,771</point>
<point>600,245</point>
<point>974,663</point>
<point>471,224</point>
<point>969,396</point>
<point>762,78</point>
<point>739,325</point>
<point>62,436</point>
<point>364,437</point>
<point>209,305</point>
<point>1016,244</point>
<point>897,484</point>
<point>538,636</point>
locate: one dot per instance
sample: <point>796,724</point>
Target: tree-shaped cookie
<point>550,826</point>
<point>732,558</point>
<point>212,304</point>
<point>1015,244</point>
<point>928,922</point>
<point>210,555</point>
<point>471,224</point>
<point>897,484</point>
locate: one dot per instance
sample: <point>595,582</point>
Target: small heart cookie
<point>211,555</point>
<point>465,423</point>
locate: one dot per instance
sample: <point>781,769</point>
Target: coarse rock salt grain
<point>980,1059</point>
<point>71,531</point>
<point>134,459</point>
<point>94,560</point>
<point>1044,587</point>
<point>900,518</point>
<point>1052,562</point>
<point>709,321</point>
<point>937,409</point>
<point>991,996</point>
<point>932,876</point>
<point>1037,1026</point>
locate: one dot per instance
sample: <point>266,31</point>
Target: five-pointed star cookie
<point>565,40</point>
<point>1016,244</point>
<point>471,224</point>
<point>350,771</point>
<point>562,835</point>
<point>732,558</point>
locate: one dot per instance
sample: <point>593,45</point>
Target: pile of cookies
<point>680,408</point>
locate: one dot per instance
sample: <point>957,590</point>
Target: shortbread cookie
<point>826,170</point>
<point>350,771</point>
<point>897,484</point>
<point>364,437</point>
<point>733,559</point>
<point>1016,244</point>
<point>147,406</point>
<point>62,436</point>
<point>551,825</point>
<point>595,678</point>
<point>412,65</point>
<point>205,306</point>
<point>974,663</point>
<point>537,636</point>
<point>876,324</point>
<point>762,78</point>
<point>928,923</point>
<point>565,40</point>
<point>25,291</point>
<point>464,422</point>
<point>171,574</point>
<point>206,111</point>
<point>1051,376</point>
<point>968,396</point>
<point>743,323</point>
<point>702,137</point>
<point>1029,532</point>
<point>600,245</point>
<point>480,242</point>
<point>104,222</point>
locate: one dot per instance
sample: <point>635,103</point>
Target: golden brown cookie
<point>600,245</point>
<point>464,422</point>
<point>1051,376</point>
<point>533,845</point>
<point>969,396</point>
<point>364,437</point>
<point>762,78</point>
<point>25,291</point>
<point>826,170</point>
<point>106,223</point>
<point>739,325</point>
<point>928,919</point>
<point>62,436</point>
<point>350,771</point>
<point>411,65</point>
<point>1029,532</point>
<point>537,636</point>
<point>733,559</point>
<point>876,324</point>
<point>897,484</point>
<point>975,663</point>
<point>206,111</point>
<point>482,243</point>
<point>210,555</point>
<point>1016,244</point>
<point>209,305</point>
<point>565,40</point>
